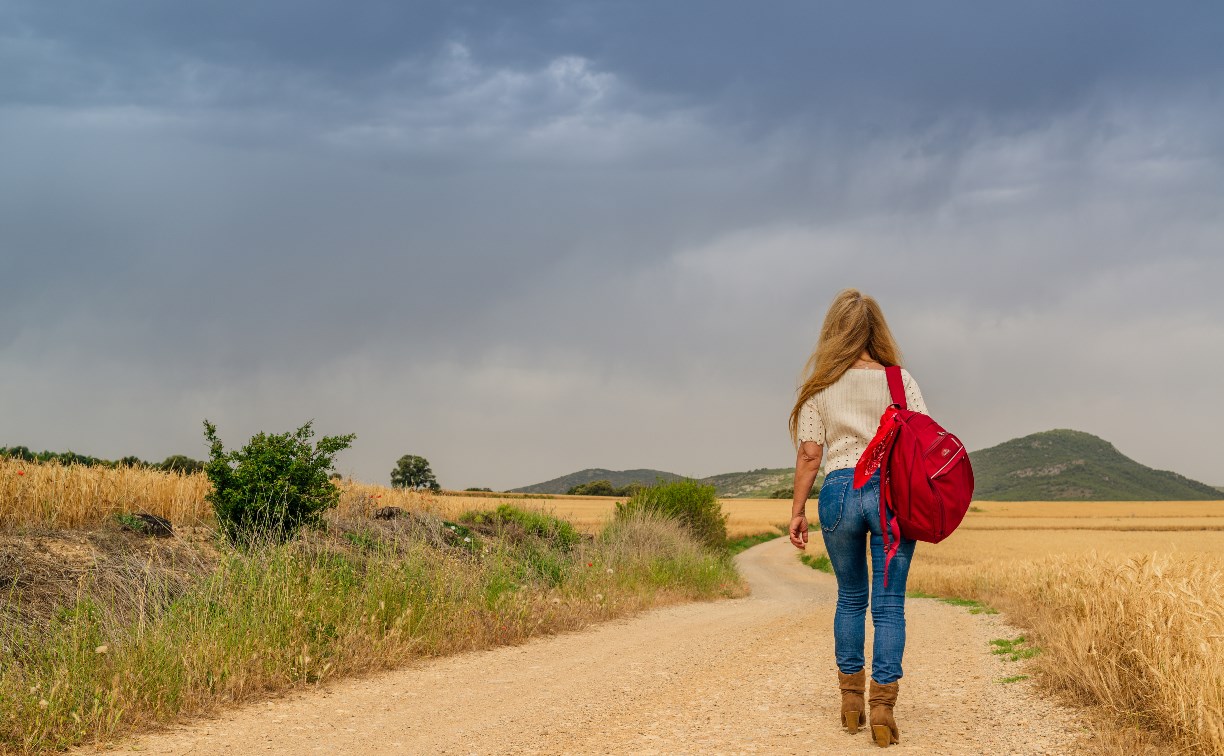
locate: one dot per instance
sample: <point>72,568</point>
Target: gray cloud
<point>526,240</point>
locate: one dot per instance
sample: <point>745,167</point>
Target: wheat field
<point>74,496</point>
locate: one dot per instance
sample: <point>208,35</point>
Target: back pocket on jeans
<point>831,503</point>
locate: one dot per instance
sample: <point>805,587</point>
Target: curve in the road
<point>752,675</point>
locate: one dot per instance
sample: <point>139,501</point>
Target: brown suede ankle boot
<point>883,726</point>
<point>852,687</point>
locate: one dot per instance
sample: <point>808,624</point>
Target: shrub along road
<point>752,675</point>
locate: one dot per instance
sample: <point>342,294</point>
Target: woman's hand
<point>807,465</point>
<point>799,531</point>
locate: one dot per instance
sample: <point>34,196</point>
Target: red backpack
<point>926,481</point>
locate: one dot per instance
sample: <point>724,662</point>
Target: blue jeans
<point>848,517</point>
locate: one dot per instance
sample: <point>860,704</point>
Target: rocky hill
<point>753,484</point>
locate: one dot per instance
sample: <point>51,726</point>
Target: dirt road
<point>752,675</point>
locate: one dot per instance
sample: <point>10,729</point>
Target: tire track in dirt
<point>751,675</point>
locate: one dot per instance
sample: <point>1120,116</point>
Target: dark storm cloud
<point>526,238</point>
<point>787,57</point>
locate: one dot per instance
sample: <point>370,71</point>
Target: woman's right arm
<point>807,465</point>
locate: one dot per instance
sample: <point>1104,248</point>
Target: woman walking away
<point>843,394</point>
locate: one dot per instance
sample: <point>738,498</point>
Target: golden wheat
<point>1130,621</point>
<point>74,496</point>
<point>1141,637</point>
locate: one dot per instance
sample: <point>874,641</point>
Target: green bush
<point>274,485</point>
<point>692,504</point>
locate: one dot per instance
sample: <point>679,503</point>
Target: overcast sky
<point>522,239</point>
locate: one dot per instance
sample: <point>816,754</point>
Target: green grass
<point>114,660</point>
<point>1014,649</point>
<point>743,543</point>
<point>1011,679</point>
<point>974,606</point>
<point>817,562</point>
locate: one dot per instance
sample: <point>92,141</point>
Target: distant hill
<point>1057,465</point>
<point>618,478</point>
<point>1068,465</point>
<point>753,483</point>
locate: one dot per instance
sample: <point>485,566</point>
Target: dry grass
<point>1125,599</point>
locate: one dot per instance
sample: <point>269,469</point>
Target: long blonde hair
<point>853,324</point>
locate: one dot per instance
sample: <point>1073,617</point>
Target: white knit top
<point>844,417</point>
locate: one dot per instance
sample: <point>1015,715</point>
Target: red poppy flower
<point>21,472</point>
<point>590,564</point>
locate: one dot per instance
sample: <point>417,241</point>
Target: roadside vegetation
<point>110,630</point>
<point>817,562</point>
<point>689,502</point>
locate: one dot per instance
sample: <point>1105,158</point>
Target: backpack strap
<point>890,528</point>
<point>896,386</point>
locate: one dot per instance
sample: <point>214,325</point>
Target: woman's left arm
<point>807,465</point>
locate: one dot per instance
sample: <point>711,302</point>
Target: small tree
<point>413,472</point>
<point>594,488</point>
<point>274,485</point>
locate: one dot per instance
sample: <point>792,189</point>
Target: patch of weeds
<point>129,521</point>
<point>976,509</point>
<point>1011,679</point>
<point>1014,649</point>
<point>462,536</point>
<point>457,529</point>
<point>973,605</point>
<point>560,533</point>
<point>743,543</point>
<point>362,541</point>
<point>817,562</point>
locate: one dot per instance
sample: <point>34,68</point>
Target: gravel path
<point>752,675</point>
